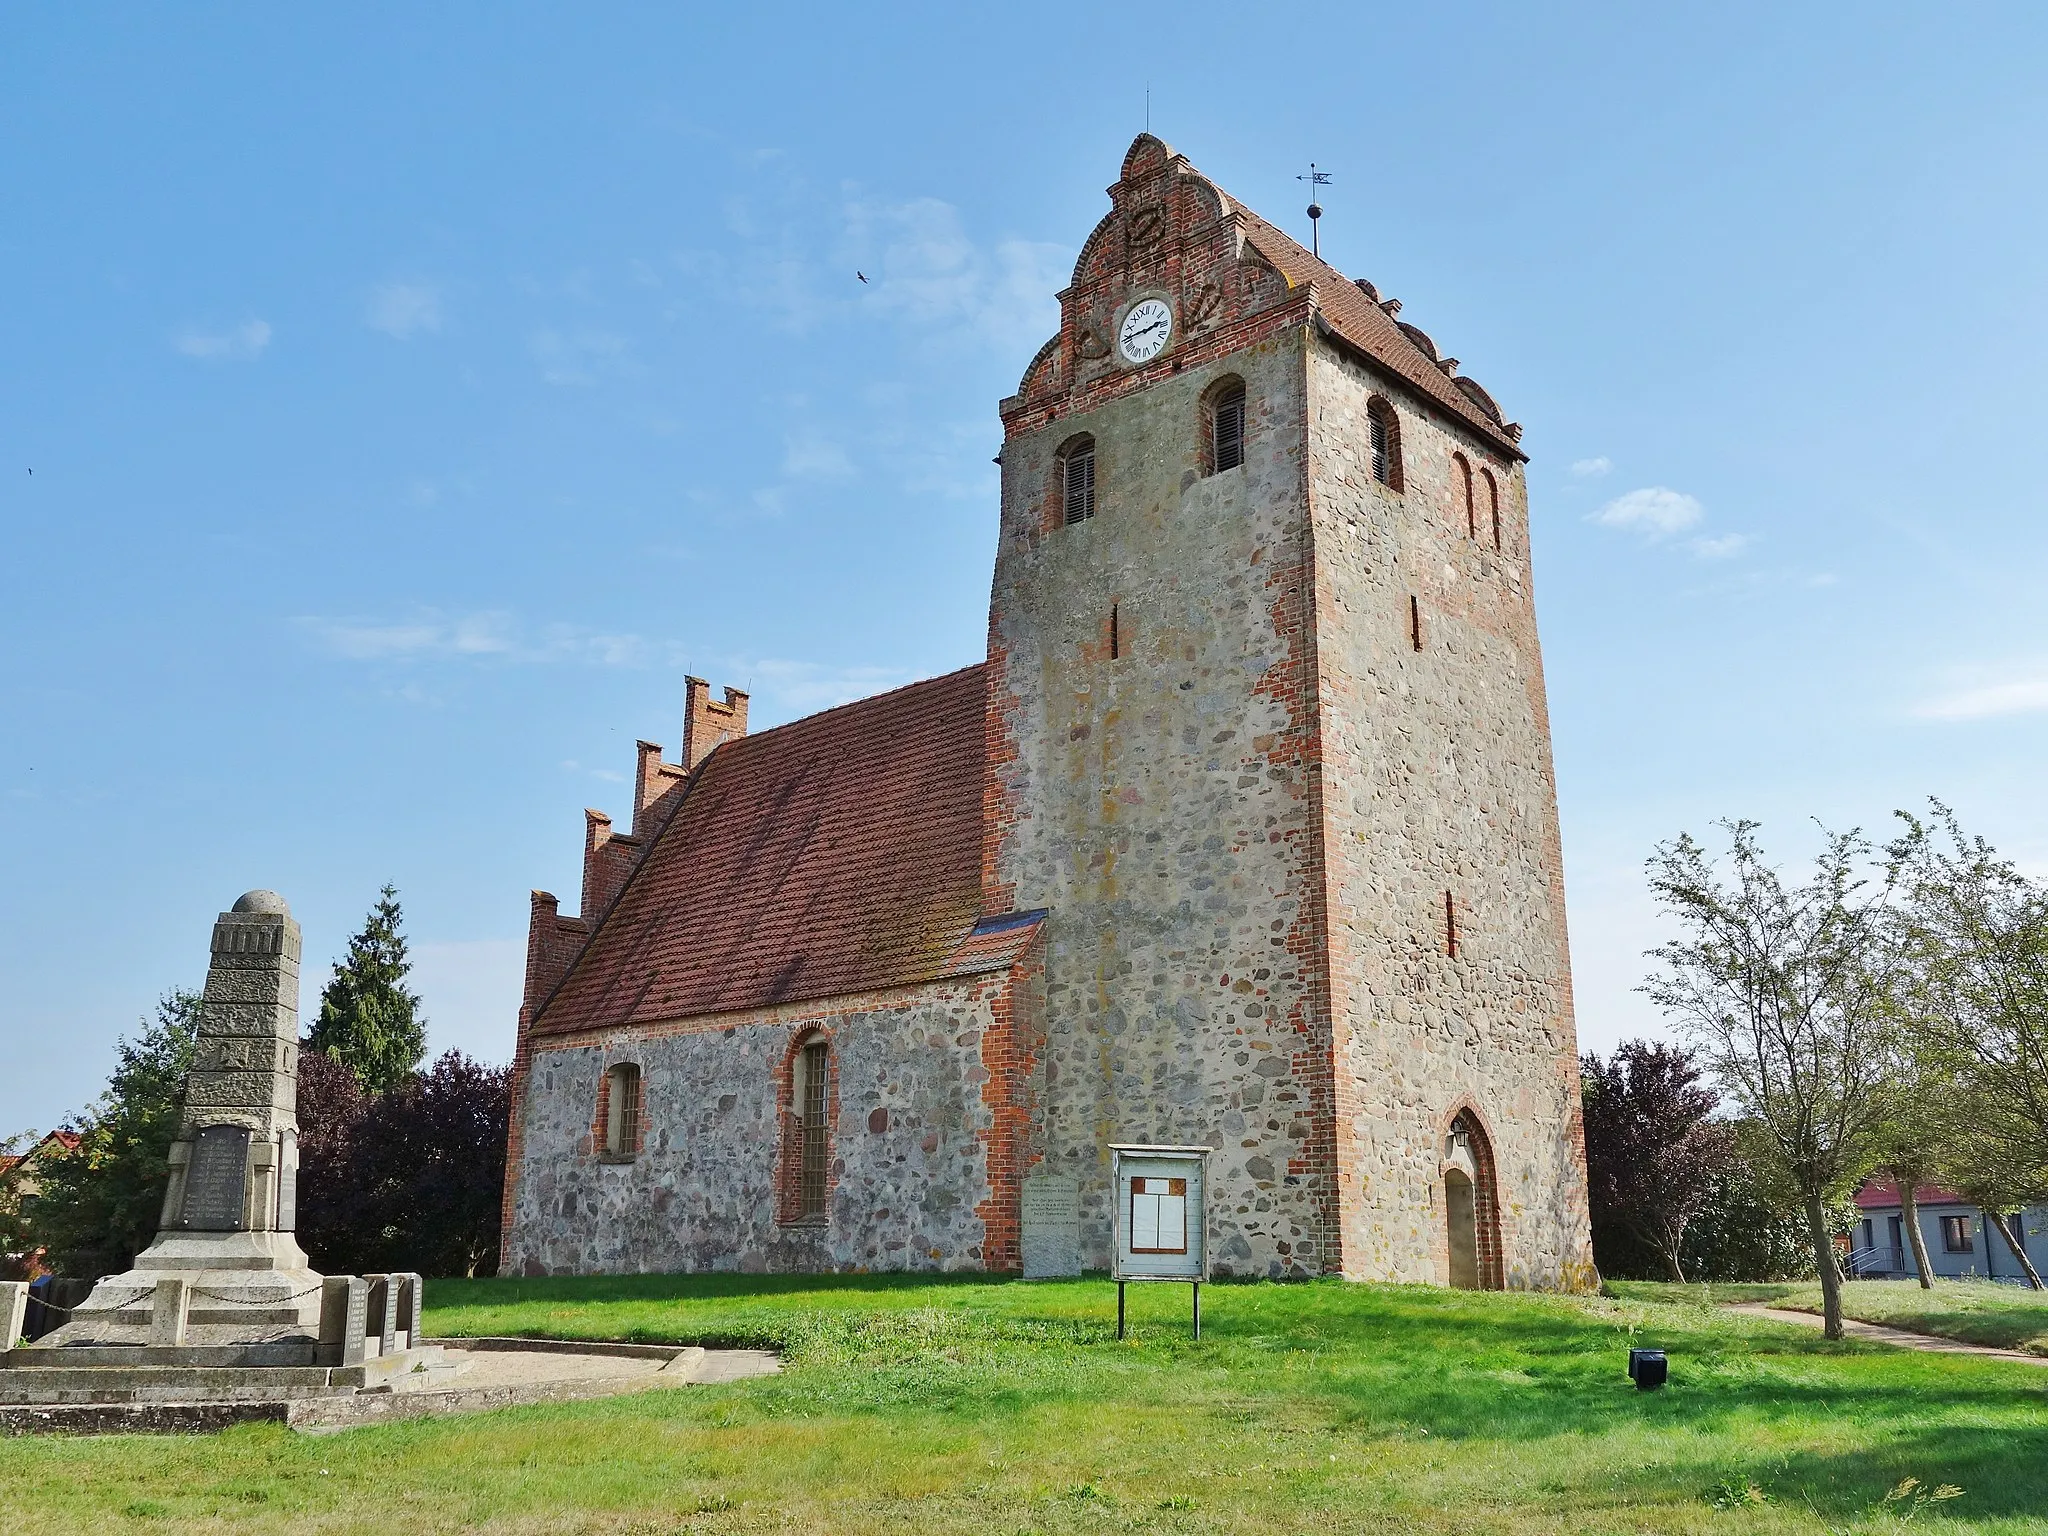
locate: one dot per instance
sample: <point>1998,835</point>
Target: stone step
<point>63,1381</point>
<point>271,1353</point>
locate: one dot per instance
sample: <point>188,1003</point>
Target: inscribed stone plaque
<point>288,1183</point>
<point>1051,1226</point>
<point>216,1179</point>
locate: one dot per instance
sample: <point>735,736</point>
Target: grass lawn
<point>1974,1311</point>
<point>933,1406</point>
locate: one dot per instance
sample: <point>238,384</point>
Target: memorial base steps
<point>40,1377</point>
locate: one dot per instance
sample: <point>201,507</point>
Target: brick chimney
<point>706,724</point>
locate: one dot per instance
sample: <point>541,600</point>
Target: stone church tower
<point>1255,844</point>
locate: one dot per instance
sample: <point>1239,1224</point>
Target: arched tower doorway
<point>1471,1207</point>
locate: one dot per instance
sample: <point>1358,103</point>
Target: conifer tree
<point>368,1021</point>
<point>98,1205</point>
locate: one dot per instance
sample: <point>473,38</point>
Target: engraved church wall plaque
<point>1051,1221</point>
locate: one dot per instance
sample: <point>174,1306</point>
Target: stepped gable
<point>839,853</point>
<point>1229,273</point>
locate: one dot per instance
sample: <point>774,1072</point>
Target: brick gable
<point>840,853</point>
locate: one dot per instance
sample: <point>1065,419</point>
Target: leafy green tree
<point>1975,1000</point>
<point>98,1206</point>
<point>1917,1145</point>
<point>368,1021</point>
<point>1752,1227</point>
<point>1784,991</point>
<point>16,1249</point>
<point>1654,1154</point>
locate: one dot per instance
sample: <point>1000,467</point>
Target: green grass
<point>1974,1311</point>
<point>966,1406</point>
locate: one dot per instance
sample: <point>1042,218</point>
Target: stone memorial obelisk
<point>225,1259</point>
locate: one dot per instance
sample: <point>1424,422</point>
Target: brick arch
<point>1467,1115</point>
<point>1463,466</point>
<point>600,1122</point>
<point>789,1120</point>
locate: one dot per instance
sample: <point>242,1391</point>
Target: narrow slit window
<point>1415,622</point>
<point>1450,925</point>
<point>1492,504</point>
<point>1114,637</point>
<point>814,1063</point>
<point>1226,428</point>
<point>1077,481</point>
<point>1464,469</point>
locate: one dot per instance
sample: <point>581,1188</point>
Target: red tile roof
<point>1883,1194</point>
<point>839,853</point>
<point>1359,320</point>
<point>66,1140</point>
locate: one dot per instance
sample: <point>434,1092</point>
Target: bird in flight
<point>861,275</point>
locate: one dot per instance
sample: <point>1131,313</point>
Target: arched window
<point>1464,478</point>
<point>1225,426</point>
<point>1471,1207</point>
<point>1492,503</point>
<point>621,1110</point>
<point>1385,428</point>
<point>810,1112</point>
<point>1076,475</point>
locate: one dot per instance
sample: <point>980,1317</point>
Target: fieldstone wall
<point>1439,783</point>
<point>914,1116</point>
<point>1152,789</point>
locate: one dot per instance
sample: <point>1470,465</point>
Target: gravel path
<point>1898,1336</point>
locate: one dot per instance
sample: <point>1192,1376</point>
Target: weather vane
<point>1315,178</point>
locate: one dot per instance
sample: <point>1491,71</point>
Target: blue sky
<point>412,399</point>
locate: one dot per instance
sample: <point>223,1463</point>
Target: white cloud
<point>240,342</point>
<point>576,357</point>
<point>804,687</point>
<point>1986,695</point>
<point>921,264</point>
<point>432,636</point>
<point>1591,469</point>
<point>810,456</point>
<point>1719,548</point>
<point>1655,510</point>
<point>404,310</point>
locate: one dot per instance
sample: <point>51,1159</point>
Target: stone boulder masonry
<point>222,1306</point>
<point>1243,834</point>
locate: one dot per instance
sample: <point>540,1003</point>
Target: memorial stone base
<point>223,1308</point>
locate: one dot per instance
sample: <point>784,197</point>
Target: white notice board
<point>1161,1210</point>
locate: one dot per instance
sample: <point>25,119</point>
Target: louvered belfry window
<point>1077,478</point>
<point>811,1127</point>
<point>1227,429</point>
<point>1382,462</point>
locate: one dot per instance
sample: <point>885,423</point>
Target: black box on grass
<point>1647,1368</point>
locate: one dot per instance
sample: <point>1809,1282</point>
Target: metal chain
<point>67,1311</point>
<point>267,1301</point>
<point>129,1301</point>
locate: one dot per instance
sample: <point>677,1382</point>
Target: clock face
<point>1145,331</point>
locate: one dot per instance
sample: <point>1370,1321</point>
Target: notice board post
<point>1161,1219</point>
